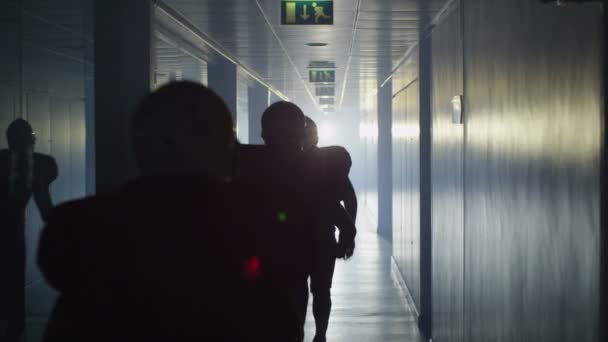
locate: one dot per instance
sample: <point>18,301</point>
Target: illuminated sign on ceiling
<point>307,12</point>
<point>322,76</point>
<point>325,91</point>
<point>327,101</point>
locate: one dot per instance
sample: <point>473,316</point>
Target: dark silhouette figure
<point>283,165</point>
<point>335,162</point>
<point>180,254</point>
<point>23,173</point>
<point>333,165</point>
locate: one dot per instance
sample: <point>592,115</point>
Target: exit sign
<point>322,76</point>
<point>307,12</point>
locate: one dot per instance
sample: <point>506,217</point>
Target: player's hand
<point>350,250</point>
<point>345,251</point>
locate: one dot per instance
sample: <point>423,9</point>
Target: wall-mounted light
<point>457,109</point>
<point>313,44</point>
<point>566,2</point>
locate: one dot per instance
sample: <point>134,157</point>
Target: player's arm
<point>349,197</point>
<point>55,252</point>
<point>42,197</point>
<point>60,247</point>
<point>348,231</point>
<point>346,191</point>
<point>42,194</point>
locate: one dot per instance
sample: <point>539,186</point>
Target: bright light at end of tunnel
<point>327,133</point>
<point>368,131</point>
<point>405,131</point>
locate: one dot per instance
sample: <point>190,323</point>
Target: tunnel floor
<point>367,306</point>
<point>39,303</point>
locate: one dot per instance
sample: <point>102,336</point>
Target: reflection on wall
<point>532,171</point>
<point>242,107</point>
<point>447,174</point>
<point>406,174</point>
<point>516,188</point>
<point>406,177</point>
<point>46,77</point>
<point>178,53</point>
<point>368,133</point>
<point>173,64</point>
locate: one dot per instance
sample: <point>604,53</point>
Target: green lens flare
<point>282,217</point>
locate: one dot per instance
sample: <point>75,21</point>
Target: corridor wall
<point>516,186</point>
<point>406,175</point>
<point>172,63</point>
<point>516,196</point>
<point>447,177</point>
<point>367,164</point>
<point>532,171</point>
<point>242,106</point>
<point>46,77</point>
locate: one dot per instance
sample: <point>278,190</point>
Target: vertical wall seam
<point>424,178</point>
<point>350,52</point>
<point>464,167</point>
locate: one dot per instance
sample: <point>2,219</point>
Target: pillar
<point>258,102</point>
<point>274,98</point>
<point>426,243</point>
<point>222,78</point>
<point>385,156</point>
<point>123,67</point>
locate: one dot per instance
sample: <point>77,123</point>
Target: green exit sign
<point>307,12</point>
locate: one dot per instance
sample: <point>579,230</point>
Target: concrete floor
<point>367,306</point>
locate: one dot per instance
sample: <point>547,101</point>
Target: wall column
<point>223,80</point>
<point>123,67</point>
<point>385,161</point>
<point>258,102</point>
<point>274,98</point>
<point>425,320</point>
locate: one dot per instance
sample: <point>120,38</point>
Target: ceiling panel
<point>368,37</point>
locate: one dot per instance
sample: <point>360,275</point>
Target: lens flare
<point>252,268</point>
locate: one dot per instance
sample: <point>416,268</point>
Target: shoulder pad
<point>338,158</point>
